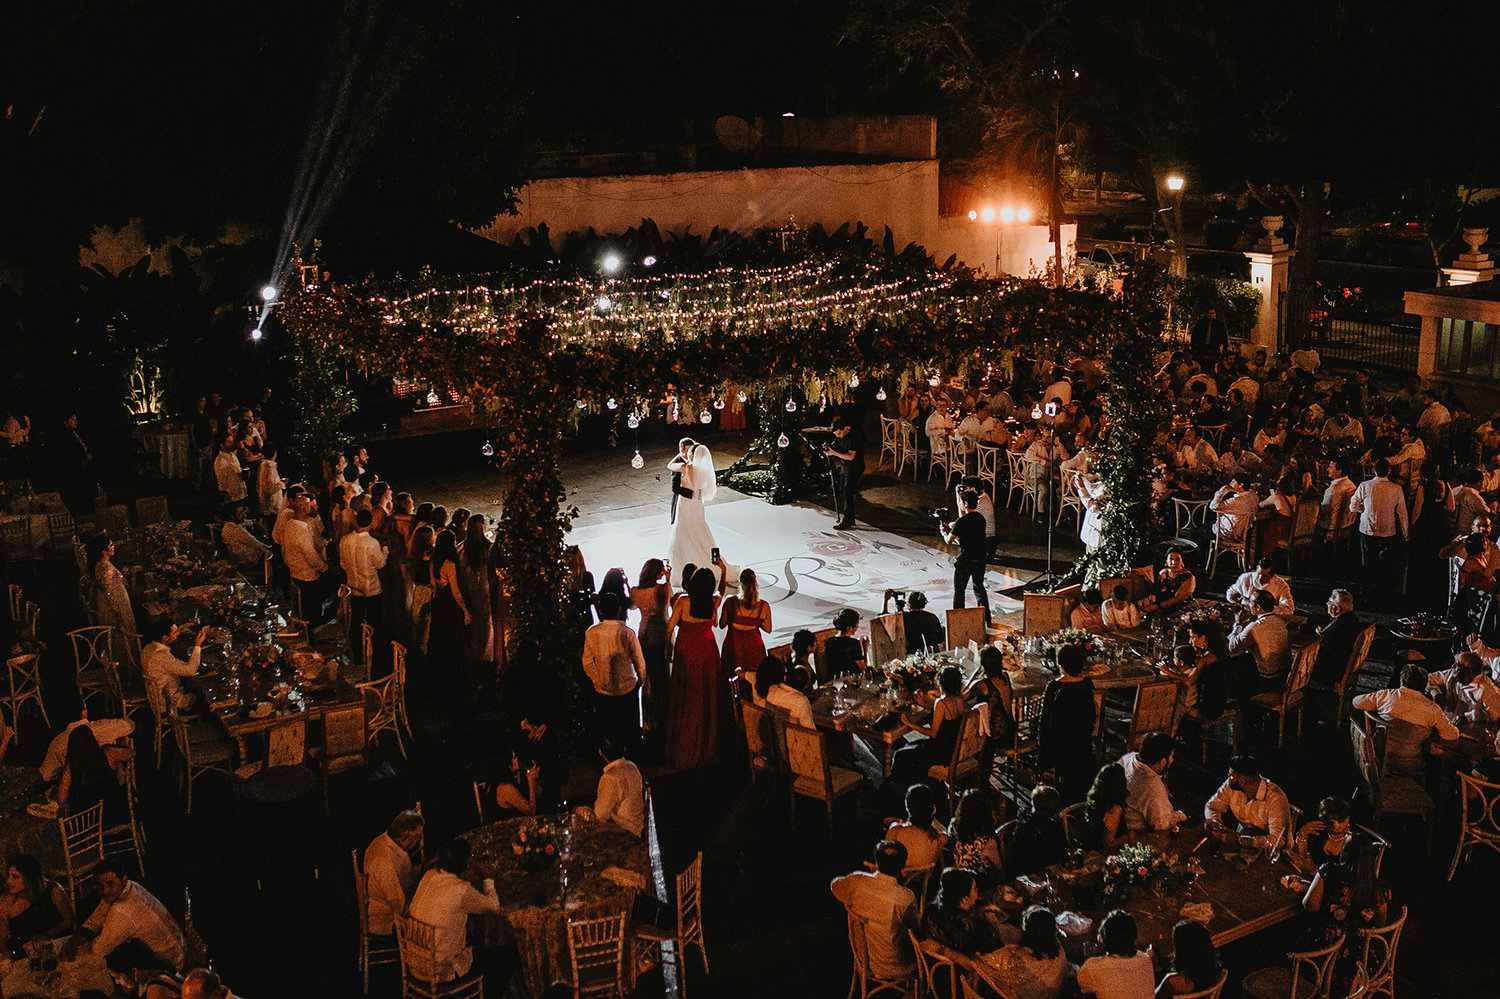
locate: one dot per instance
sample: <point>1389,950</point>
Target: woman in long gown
<point>691,542</point>
<point>480,646</point>
<point>500,613</point>
<point>419,571</point>
<point>652,596</point>
<point>450,616</point>
<point>112,599</point>
<point>746,616</point>
<point>698,715</point>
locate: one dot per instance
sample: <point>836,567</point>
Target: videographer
<point>968,532</point>
<point>848,449</point>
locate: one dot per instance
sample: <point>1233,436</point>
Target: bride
<point>691,542</point>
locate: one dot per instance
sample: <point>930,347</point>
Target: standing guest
<point>1248,808</point>
<point>1381,506</point>
<point>1465,691</point>
<point>1036,967</point>
<point>968,532</point>
<point>615,582</point>
<point>991,687</point>
<point>1277,528</point>
<point>1148,806</point>
<point>652,596</point>
<point>1104,826</point>
<point>848,449</point>
<point>126,912</point>
<point>1067,725</point>
<point>698,712</point>
<point>1411,718</point>
<point>73,460</point>
<point>1091,492</point>
<point>1322,840</point>
<point>112,599</point>
<point>1467,501</point>
<point>479,645</point>
<point>1336,638</point>
<point>842,653</point>
<point>1263,577</point>
<point>362,557</point>
<point>445,900</point>
<point>33,905</point>
<point>911,761</point>
<point>1121,972</point>
<point>1089,614</point>
<point>419,571</point>
<point>270,487</point>
<point>1195,963</point>
<point>1474,571</point>
<point>245,549</point>
<point>885,909</point>
<point>391,879</point>
<point>161,669</point>
<point>450,614</point>
<point>920,833</point>
<point>1037,840</point>
<point>1264,639</point>
<point>771,690</point>
<point>615,666</point>
<point>1432,508</point>
<point>1333,510</point>
<point>228,474</point>
<point>304,559</point>
<point>745,615</point>
<point>923,629</point>
<point>621,798</point>
<point>286,514</point>
<point>503,622</point>
<point>1209,334</point>
<point>386,526</point>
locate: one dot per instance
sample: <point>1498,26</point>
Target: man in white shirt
<point>1236,459</point>
<point>445,901</point>
<point>771,677</point>
<point>885,908</point>
<point>939,425</point>
<point>1434,418</point>
<point>974,428</point>
<point>1467,501</point>
<point>161,669</point>
<point>1235,505</point>
<point>1121,971</point>
<point>622,792</point>
<point>1465,691</point>
<point>1242,591</point>
<point>126,912</point>
<point>1249,808</point>
<point>1406,464</point>
<point>1119,612</point>
<point>1457,549</point>
<point>1411,718</point>
<point>1044,460</point>
<point>362,557</point>
<point>1147,803</point>
<point>390,879</point>
<point>286,514</point>
<point>614,663</point>
<point>228,474</point>
<point>245,549</point>
<point>1264,637</point>
<point>1060,391</point>
<point>1334,512</point>
<point>1383,526</point>
<point>1194,454</point>
<point>304,559</point>
<point>1002,406</point>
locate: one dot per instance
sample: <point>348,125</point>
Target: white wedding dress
<point>691,542</point>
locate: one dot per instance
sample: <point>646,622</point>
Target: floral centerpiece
<point>916,673</point>
<point>1201,612</point>
<point>537,844</point>
<point>1058,640</point>
<point>262,657</point>
<point>1134,864</point>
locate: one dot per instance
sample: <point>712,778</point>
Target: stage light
<point>1023,214</point>
<point>610,263</point>
<point>788,114</point>
<point>268,293</point>
<point>988,214</point>
<point>1007,214</point>
<point>256,334</point>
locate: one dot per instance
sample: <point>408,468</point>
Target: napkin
<point>43,809</point>
<point>1199,912</point>
<point>1073,925</point>
<point>624,878</point>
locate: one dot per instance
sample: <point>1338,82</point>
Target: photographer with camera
<point>848,447</point>
<point>968,532</point>
<point>923,629</point>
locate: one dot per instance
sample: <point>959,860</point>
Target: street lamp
<point>1174,183</point>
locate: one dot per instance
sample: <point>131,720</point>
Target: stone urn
<point>1271,224</point>
<point>1475,238</point>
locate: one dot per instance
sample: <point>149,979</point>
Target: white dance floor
<point>808,570</point>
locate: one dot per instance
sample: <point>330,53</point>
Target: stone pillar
<point>1473,266</point>
<point>1270,260</point>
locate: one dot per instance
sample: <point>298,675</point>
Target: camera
<point>900,598</point>
<point>1050,409</point>
<point>939,513</point>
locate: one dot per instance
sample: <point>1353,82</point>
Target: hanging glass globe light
<point>880,396</point>
<point>432,398</point>
<point>488,450</point>
<point>854,381</point>
<point>582,405</point>
<point>632,421</point>
<point>612,403</point>
<point>934,381</point>
<point>783,441</point>
<point>718,404</point>
<point>742,396</point>
<point>791,405</point>
<point>705,417</point>
<point>637,461</point>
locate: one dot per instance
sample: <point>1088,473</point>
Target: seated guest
<point>912,761</point>
<point>954,919</point>
<point>842,653</point>
<point>138,972</point>
<point>1456,549</point>
<point>1468,504</point>
<point>1089,614</point>
<point>1337,638</point>
<point>622,794</point>
<point>972,833</point>
<point>1242,591</point>
<point>388,871</point>
<point>1119,612</point>
<point>1465,691</point>
<point>1234,505</point>
<point>1037,841</point>
<point>1066,728</point>
<point>201,983</point>
<point>1148,806</point>
<point>1195,963</point>
<point>1174,586</point>
<point>1474,571</point>
<point>1104,826</point>
<point>126,912</point>
<point>1035,967</point>
<point>800,672</point>
<point>33,906</point>
<point>1410,717</point>
<point>923,629</point>
<point>1236,460</point>
<point>1322,840</point>
<point>920,833</point>
<point>1347,896</point>
<point>1264,638</point>
<point>445,899</point>
<point>885,908</point>
<point>1248,808</point>
<point>162,670</point>
<point>770,689</point>
<point>245,549</point>
<point>113,735</point>
<point>88,779</point>
<point>1121,972</point>
<point>510,800</point>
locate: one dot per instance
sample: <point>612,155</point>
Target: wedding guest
<point>1038,839</point>
<point>479,643</point>
<point>450,615</point>
<point>843,653</point>
<point>245,549</point>
<point>615,666</point>
<point>991,687</point>
<point>126,911</point>
<point>968,532</point>
<point>1067,724</point>
<point>304,560</point>
<point>419,572</point>
<point>270,487</point>
<point>445,900</point>
<point>801,672</point>
<point>1119,612</point>
<point>88,779</point>
<point>510,800</point>
<point>228,474</point>
<point>138,972</point>
<point>1411,718</point>
<point>363,557</point>
<point>1337,638</point>
<point>885,908</point>
<point>1148,805</point>
<point>954,919</point>
<point>391,879</point>
<point>1036,967</point>
<point>1104,825</point>
<point>201,983</point>
<point>1264,638</point>
<point>1174,587</point>
<point>502,617</point>
<point>919,833</point>
<point>770,689</point>
<point>746,616</point>
<point>1242,591</point>
<point>1248,808</point>
<point>652,596</point>
<point>698,709</point>
<point>972,834</point>
<point>1234,505</point>
<point>621,798</point>
<point>112,599</point>
<point>911,761</point>
<point>161,669</point>
<point>1347,896</point>
<point>1121,972</point>
<point>1195,962</point>
<point>1322,840</point>
<point>33,906</point>
<point>1465,691</point>
<point>923,629</point>
<point>112,733</point>
<point>1381,506</point>
<point>1089,614</point>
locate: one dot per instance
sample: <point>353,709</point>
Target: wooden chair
<point>1016,465</point>
<point>965,625</point>
<point>864,981</point>
<point>941,457</point>
<point>382,714</point>
<point>1155,710</point>
<point>919,881</point>
<point>367,647</point>
<point>689,928</point>
<point>60,529</point>
<point>91,650</point>
<point>887,638</point>
<point>1387,793</point>
<point>967,749</point>
<point>1238,547</point>
<point>1304,530</point>
<point>597,947</point>
<point>17,602</point>
<point>423,974</point>
<point>204,749</point>
<point>161,721</point>
<point>1380,844</point>
<point>151,510</point>
<point>194,950</point>
<point>1293,697</point>
<point>343,744</point>
<point>127,838</point>
<point>125,692</point>
<point>889,441</point>
<point>1067,498</point>
<point>15,535</point>
<point>1212,992</point>
<point>398,670</point>
<point>24,675</point>
<point>370,954</point>
<point>1478,823</point>
<point>83,845</point>
<point>765,740</point>
<point>1187,514</point>
<point>1035,481</point>
<point>113,520</point>
<point>811,774</point>
<point>987,466</point>
<point>1378,957</point>
<point>1340,690</point>
<point>1027,713</point>
<point>1307,977</point>
<point>820,644</point>
<point>1072,822</point>
<point>1044,613</point>
<point>906,438</point>
<point>938,975</point>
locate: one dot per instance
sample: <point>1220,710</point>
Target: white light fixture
<point>1174,183</point>
<point>741,396</point>
<point>637,461</point>
<point>791,405</point>
<point>602,303</point>
<point>987,214</point>
<point>268,292</point>
<point>610,263</point>
<point>1023,214</point>
<point>854,381</point>
<point>783,441</point>
<point>787,114</point>
<point>1036,411</point>
<point>934,381</point>
<point>611,403</point>
<point>632,421</point>
<point>718,404</point>
<point>581,404</point>
<point>488,450</point>
<point>705,417</point>
<point>973,215</point>
<point>256,334</point>
<point>432,398</point>
<point>880,396</point>
<point>1007,214</point>
<point>648,261</point>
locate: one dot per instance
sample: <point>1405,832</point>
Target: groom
<point>684,457</point>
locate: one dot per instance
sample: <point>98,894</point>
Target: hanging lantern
<point>783,441</point>
<point>488,450</point>
<point>742,396</point>
<point>705,417</point>
<point>632,421</point>
<point>880,396</point>
<point>718,404</point>
<point>791,405</point>
<point>637,461</point>
<point>854,381</point>
<point>611,403</point>
<point>432,398</point>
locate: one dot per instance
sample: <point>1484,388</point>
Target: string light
<point>854,381</point>
<point>880,395</point>
<point>705,417</point>
<point>611,403</point>
<point>632,421</point>
<point>791,405</point>
<point>637,461</point>
<point>783,441</point>
<point>718,404</point>
<point>488,450</point>
<point>741,396</point>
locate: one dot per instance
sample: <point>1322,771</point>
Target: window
<point>1467,348</point>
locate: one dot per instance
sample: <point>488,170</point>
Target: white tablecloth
<point>173,444</point>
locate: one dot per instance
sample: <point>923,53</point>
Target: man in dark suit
<point>1209,334</point>
<point>1338,637</point>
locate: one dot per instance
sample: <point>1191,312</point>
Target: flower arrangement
<point>917,672</point>
<point>1135,863</point>
<point>1089,641</point>
<point>1202,612</point>
<point>262,657</point>
<point>537,844</point>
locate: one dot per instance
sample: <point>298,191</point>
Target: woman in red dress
<point>698,709</point>
<point>746,616</point>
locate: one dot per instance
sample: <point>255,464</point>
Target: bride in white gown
<point>691,542</point>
